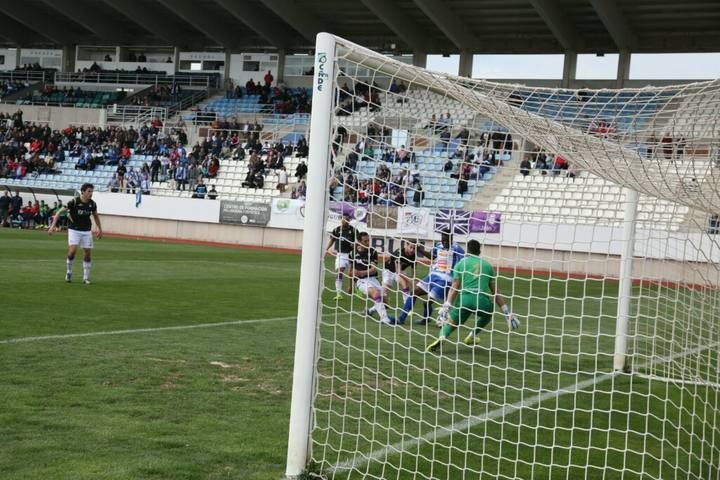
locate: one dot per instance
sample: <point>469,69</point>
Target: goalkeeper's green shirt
<point>475,275</point>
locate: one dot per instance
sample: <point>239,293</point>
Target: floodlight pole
<point>625,279</point>
<point>311,267</point>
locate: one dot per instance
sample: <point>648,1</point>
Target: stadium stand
<point>542,198</point>
<point>551,199</point>
<point>226,107</point>
<point>52,95</point>
<point>8,87</point>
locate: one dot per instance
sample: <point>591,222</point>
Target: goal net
<point>597,210</point>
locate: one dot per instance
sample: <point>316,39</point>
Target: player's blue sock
<point>406,309</point>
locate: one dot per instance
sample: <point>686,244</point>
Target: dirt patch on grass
<point>244,368</point>
<point>166,360</point>
<point>172,380</point>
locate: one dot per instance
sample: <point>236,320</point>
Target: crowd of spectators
<point>32,67</point>
<point>383,188</point>
<point>184,169</point>
<point>283,100</point>
<point>360,95</point>
<point>51,94</point>
<point>31,149</point>
<point>8,87</point>
<point>244,144</point>
<point>547,163</point>
<point>14,213</point>
<point>97,69</point>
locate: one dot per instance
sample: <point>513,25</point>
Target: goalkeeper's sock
<point>447,330</point>
<point>407,308</point>
<point>405,294</point>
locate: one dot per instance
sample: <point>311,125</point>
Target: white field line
<point>142,330</point>
<point>445,431</point>
<point>152,330</point>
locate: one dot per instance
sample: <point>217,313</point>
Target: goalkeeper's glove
<point>443,314</point>
<point>512,319</point>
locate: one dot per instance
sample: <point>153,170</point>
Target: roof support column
<point>226,71</point>
<point>569,69</point>
<point>623,69</point>
<point>280,74</point>
<point>18,57</point>
<point>68,58</point>
<point>420,59</point>
<point>176,59</point>
<point>466,64</point>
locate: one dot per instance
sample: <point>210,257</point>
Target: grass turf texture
<point>209,403</point>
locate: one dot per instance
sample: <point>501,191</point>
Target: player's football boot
<point>434,346</point>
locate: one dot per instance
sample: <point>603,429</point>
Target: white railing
<point>29,75</point>
<point>205,81</point>
<point>135,115</point>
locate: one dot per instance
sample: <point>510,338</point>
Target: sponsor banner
<point>245,213</point>
<point>415,222</point>
<point>287,213</point>
<point>286,206</point>
<point>358,213</point>
<point>463,222</point>
<point>485,222</point>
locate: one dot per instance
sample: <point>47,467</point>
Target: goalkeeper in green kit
<point>473,290</point>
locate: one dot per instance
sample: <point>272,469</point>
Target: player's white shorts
<point>79,238</point>
<point>390,279</point>
<point>364,284</point>
<point>342,260</point>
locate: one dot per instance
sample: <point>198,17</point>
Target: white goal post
<point>598,211</point>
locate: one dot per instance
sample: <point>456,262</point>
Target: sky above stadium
<point>643,66</point>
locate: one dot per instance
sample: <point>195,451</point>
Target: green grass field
<point>177,364</point>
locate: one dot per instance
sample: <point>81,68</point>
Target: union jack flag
<point>457,220</point>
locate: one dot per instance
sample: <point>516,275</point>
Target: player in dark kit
<point>79,210</point>
<point>365,272</point>
<point>343,238</point>
<point>396,263</point>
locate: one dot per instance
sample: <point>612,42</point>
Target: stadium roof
<point>432,26</point>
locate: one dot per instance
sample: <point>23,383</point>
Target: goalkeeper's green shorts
<point>466,305</point>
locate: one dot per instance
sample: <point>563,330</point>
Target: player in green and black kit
<point>79,210</point>
<point>473,291</point>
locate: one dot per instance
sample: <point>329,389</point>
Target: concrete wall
<point>203,232</point>
<point>58,117</point>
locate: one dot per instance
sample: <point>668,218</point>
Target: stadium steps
<point>482,200</point>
